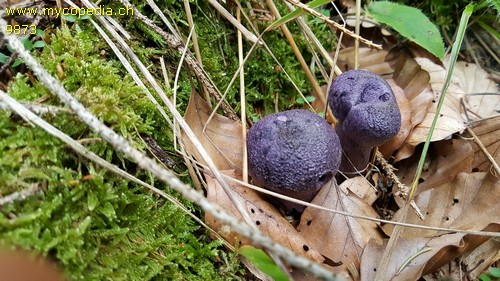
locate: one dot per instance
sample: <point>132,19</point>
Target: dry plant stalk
<point>177,44</point>
<point>334,24</point>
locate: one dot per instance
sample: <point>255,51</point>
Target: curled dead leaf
<point>444,161</point>
<point>482,97</point>
<point>471,201</point>
<point>487,132</point>
<point>339,238</point>
<point>266,217</point>
<point>221,138</point>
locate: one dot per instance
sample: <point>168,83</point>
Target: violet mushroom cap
<point>368,115</point>
<point>293,153</point>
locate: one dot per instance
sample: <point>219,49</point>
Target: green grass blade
<point>295,14</point>
<point>453,59</point>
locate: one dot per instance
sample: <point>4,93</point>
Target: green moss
<point>95,225</point>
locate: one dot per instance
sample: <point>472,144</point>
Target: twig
<point>120,144</point>
<point>243,107</point>
<point>40,109</point>
<point>19,195</point>
<point>245,32</point>
<point>298,54</point>
<point>479,143</point>
<point>177,44</point>
<point>305,8</point>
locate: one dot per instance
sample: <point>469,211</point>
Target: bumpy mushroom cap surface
<point>293,153</point>
<point>365,106</point>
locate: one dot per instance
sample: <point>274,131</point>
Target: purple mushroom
<point>294,153</point>
<point>367,113</point>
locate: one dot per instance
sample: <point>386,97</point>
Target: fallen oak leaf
<point>339,238</point>
<point>482,98</point>
<point>471,201</point>
<point>266,217</point>
<point>450,120</point>
<point>473,263</point>
<point>409,260</point>
<point>445,160</point>
<point>221,139</point>
<point>487,132</point>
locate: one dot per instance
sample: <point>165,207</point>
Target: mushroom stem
<point>355,156</point>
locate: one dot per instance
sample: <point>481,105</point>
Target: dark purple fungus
<point>367,113</point>
<point>293,153</point>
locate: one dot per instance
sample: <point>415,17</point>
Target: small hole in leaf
<point>455,201</point>
<point>475,170</point>
<point>257,222</point>
<point>421,180</point>
<point>252,210</point>
<point>447,218</point>
<point>309,222</point>
<point>306,248</point>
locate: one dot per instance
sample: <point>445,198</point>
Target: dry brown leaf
<point>444,161</point>
<point>469,202</point>
<point>415,84</point>
<point>450,120</point>
<point>361,188</point>
<point>221,139</point>
<point>482,96</point>
<point>488,132</point>
<point>441,250</point>
<point>370,59</point>
<point>471,264</point>
<point>266,217</point>
<point>339,238</point>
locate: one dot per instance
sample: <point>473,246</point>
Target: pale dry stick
<point>159,12</point>
<point>165,73</point>
<point>296,51</point>
<point>196,46</point>
<point>490,158</point>
<point>41,109</point>
<point>324,53</point>
<point>334,24</point>
<point>176,43</point>
<point>247,18</point>
<point>124,61</point>
<point>356,31</point>
<point>29,116</point>
<point>176,81</point>
<point>182,123</point>
<point>146,163</point>
<point>314,206</point>
<point>312,40</point>
<point>243,108</point>
<point>244,31</point>
<point>19,195</point>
